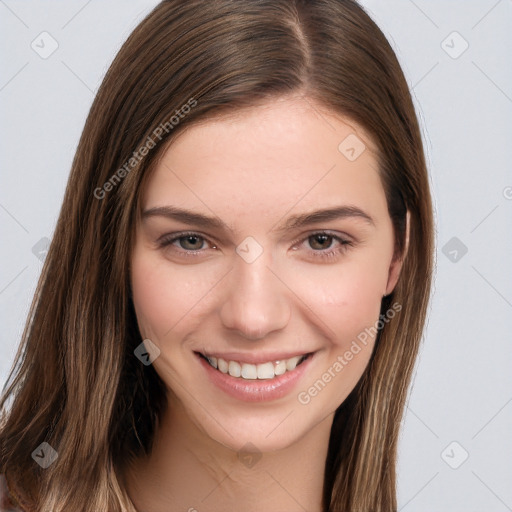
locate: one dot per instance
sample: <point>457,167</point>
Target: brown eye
<point>320,241</point>
<point>325,247</point>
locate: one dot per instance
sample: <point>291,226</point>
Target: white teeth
<point>266,371</point>
<point>254,371</point>
<point>235,370</point>
<point>280,368</point>
<point>292,363</point>
<point>223,365</point>
<point>249,371</point>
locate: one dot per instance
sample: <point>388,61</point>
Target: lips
<point>251,385</point>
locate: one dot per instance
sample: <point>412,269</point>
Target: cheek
<point>348,306</point>
<point>166,299</point>
<point>347,299</point>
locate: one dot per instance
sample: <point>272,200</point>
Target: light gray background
<point>462,388</point>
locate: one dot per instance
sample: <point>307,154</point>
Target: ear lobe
<point>397,262</point>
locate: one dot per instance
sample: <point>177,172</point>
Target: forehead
<point>267,160</point>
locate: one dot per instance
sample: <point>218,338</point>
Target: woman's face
<point>264,238</point>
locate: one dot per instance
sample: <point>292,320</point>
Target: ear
<point>396,264</point>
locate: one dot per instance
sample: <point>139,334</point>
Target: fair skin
<point>253,172</point>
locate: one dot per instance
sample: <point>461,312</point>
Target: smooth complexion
<point>305,293</point>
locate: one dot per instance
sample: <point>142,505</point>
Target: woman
<point>232,304</point>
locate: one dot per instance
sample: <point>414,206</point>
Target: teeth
<point>255,371</point>
<point>265,371</point>
<point>223,365</point>
<point>280,368</point>
<point>249,371</point>
<point>292,363</point>
<point>235,370</point>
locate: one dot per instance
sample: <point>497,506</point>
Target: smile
<point>256,377</point>
<point>248,371</point>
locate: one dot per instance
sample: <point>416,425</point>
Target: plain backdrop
<point>456,446</point>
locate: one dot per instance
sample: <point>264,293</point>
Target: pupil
<point>192,240</point>
<point>322,239</point>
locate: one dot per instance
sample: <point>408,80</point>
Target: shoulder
<point>7,500</point>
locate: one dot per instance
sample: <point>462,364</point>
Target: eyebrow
<point>293,222</point>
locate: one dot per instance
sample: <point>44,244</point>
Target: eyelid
<point>335,234</point>
<point>169,238</point>
<point>172,237</point>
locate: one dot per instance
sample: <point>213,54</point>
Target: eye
<point>320,240</point>
<point>186,244</point>
<point>191,242</point>
<point>323,245</point>
<point>326,245</point>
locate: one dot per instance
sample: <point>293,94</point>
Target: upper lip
<point>253,358</point>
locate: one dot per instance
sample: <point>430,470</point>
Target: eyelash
<point>327,254</point>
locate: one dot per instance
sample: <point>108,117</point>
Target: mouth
<point>248,371</point>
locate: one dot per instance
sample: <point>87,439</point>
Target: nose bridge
<point>255,303</point>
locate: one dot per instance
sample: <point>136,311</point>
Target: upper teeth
<point>254,371</point>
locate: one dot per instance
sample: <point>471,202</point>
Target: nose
<point>255,302</point>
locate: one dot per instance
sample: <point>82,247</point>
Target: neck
<point>189,471</point>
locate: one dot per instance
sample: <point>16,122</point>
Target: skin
<point>253,171</point>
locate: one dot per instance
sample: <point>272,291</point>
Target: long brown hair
<point>76,383</point>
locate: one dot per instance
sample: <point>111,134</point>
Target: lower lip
<point>257,390</point>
